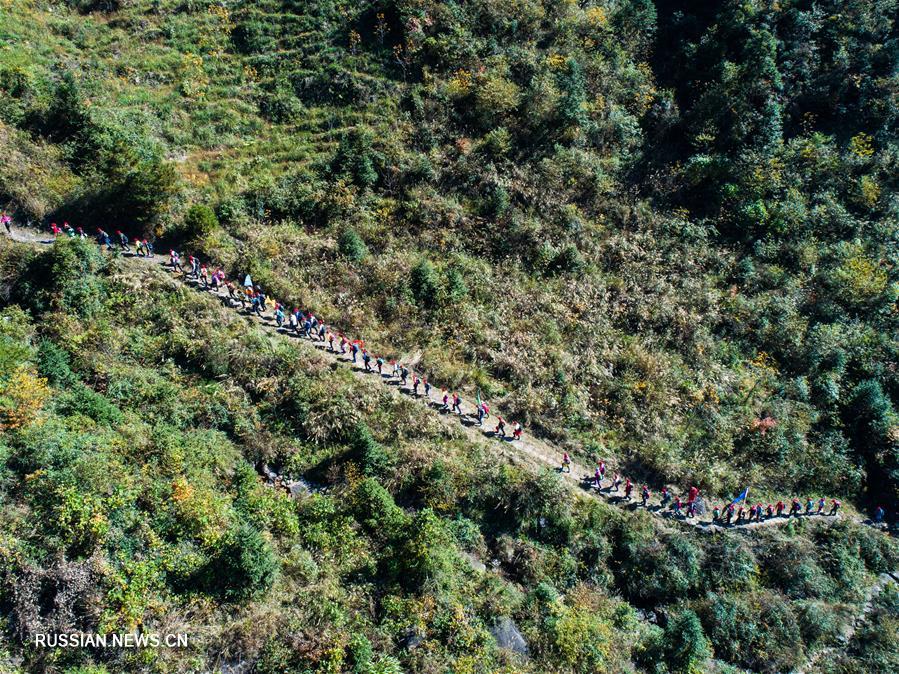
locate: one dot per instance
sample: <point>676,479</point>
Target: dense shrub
<point>351,245</point>
<point>243,565</point>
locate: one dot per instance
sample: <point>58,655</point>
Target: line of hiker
<point>691,505</point>
<point>304,323</point>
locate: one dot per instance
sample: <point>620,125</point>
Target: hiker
<point>758,512</point>
<point>396,369</point>
<point>103,239</point>
<point>404,376</point>
<point>878,515</point>
<point>769,511</point>
<point>380,363</point>
<point>808,507</point>
<point>676,506</point>
<point>69,231</point>
<point>279,316</point>
<point>516,431</point>
<point>354,348</point>
<point>500,429</point>
<point>322,329</point>
<point>292,322</point>
<point>741,515</point>
<point>446,406</point>
<point>779,508</point>
<point>597,478</point>
<point>416,381</point>
<point>730,514</point>
<point>427,385</point>
<point>366,360</point>
<point>139,249</point>
<point>457,403</point>
<point>645,495</point>
<point>81,233</point>
<point>148,246</point>
<point>7,222</point>
<point>343,343</point>
<point>616,483</point>
<point>666,496</point>
<point>483,413</point>
<point>123,241</point>
<point>834,507</point>
<point>716,514</point>
<point>204,276</point>
<point>566,463</point>
<point>691,508</point>
<point>628,488</point>
<point>602,470</point>
<point>794,508</point>
<point>54,229</point>
<point>175,261</point>
<point>821,503</point>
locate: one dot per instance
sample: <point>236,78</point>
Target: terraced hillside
<point>659,234</point>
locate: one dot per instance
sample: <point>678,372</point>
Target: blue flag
<point>742,497</point>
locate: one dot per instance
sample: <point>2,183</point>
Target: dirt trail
<point>529,449</point>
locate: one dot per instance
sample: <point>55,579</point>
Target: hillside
<point>663,235</point>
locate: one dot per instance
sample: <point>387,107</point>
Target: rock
<point>298,488</point>
<point>507,636</point>
<point>411,638</point>
<point>475,563</point>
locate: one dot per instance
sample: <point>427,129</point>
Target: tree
<point>243,565</point>
<point>424,284</point>
<point>351,245</point>
<point>199,222</point>
<point>685,645</point>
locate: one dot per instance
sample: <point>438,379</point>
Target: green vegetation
<point>639,227</point>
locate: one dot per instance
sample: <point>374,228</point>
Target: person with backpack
<point>516,431</point>
<point>809,504</point>
<point>616,483</point>
<point>7,222</point>
<point>666,496</point>
<point>602,470</point>
<point>677,506</point>
<point>566,463</point>
<point>404,377</point>
<point>457,403</point>
<point>794,508</point>
<point>366,360</point>
<point>821,503</point>
<point>354,349</point>
<point>123,241</point>
<point>427,386</point>
<point>54,230</point>
<point>81,233</point>
<point>68,229</point>
<point>879,514</point>
<point>500,429</point>
<point>716,514</point>
<point>322,329</point>
<point>597,478</point>
<point>204,276</point>
<point>103,239</point>
<point>628,488</point>
<point>175,261</point>
<point>380,364</point>
<point>279,316</point>
<point>779,508</point>
<point>644,495</point>
<point>834,507</point>
<point>331,341</point>
<point>415,383</point>
<point>482,413</point>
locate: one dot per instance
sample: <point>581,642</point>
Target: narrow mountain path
<point>528,449</point>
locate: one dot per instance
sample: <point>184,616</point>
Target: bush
<point>243,565</point>
<point>424,284</point>
<point>53,363</point>
<point>84,400</point>
<point>684,643</point>
<point>351,245</point>
<point>373,459</point>
<point>199,222</point>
